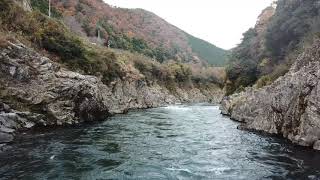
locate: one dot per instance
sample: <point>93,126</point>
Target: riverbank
<point>37,91</point>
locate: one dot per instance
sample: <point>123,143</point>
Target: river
<point>175,142</point>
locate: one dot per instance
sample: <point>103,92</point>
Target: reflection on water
<point>176,142</point>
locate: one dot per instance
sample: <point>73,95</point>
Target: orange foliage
<point>134,23</point>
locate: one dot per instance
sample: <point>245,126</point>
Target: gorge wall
<point>288,107</point>
<point>36,91</point>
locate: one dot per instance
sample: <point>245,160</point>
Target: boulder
<point>316,145</point>
<point>4,108</point>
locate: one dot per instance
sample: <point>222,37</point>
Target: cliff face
<point>266,51</point>
<point>248,59</point>
<point>264,19</point>
<point>40,92</point>
<point>288,107</point>
<point>261,28</point>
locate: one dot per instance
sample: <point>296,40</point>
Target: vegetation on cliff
<point>52,37</point>
<point>266,51</point>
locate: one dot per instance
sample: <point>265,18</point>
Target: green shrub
<point>46,33</point>
<point>263,81</point>
<point>51,35</point>
<point>182,72</point>
<point>55,39</point>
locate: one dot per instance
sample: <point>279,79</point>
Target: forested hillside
<point>267,49</point>
<point>53,38</point>
<point>208,52</point>
<point>135,30</point>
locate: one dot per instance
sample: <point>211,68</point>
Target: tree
<point>49,8</point>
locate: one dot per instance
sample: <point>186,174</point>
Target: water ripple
<point>174,142</point>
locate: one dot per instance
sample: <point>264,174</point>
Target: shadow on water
<point>175,142</point>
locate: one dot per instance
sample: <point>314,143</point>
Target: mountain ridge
<point>137,30</point>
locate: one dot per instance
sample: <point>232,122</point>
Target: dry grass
<point>3,40</point>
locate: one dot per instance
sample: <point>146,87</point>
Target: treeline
<point>262,58</point>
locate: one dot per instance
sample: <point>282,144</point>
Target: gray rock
<point>316,145</point>
<point>9,120</point>
<point>5,137</point>
<point>6,130</point>
<point>289,107</point>
<point>66,97</point>
<point>4,147</point>
<point>4,108</point>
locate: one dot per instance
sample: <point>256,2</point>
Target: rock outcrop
<point>34,83</point>
<point>289,107</point>
<point>12,120</point>
<point>42,93</point>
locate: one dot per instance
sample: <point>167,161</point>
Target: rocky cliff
<point>289,107</point>
<point>36,91</point>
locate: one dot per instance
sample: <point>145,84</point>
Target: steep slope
<point>288,107</point>
<point>243,67</point>
<point>208,52</point>
<point>268,50</point>
<point>284,56</point>
<point>133,29</point>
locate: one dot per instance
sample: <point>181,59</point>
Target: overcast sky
<point>220,22</point>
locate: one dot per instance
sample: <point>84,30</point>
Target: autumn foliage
<point>135,30</point>
<point>53,37</point>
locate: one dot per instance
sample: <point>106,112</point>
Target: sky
<point>220,22</point>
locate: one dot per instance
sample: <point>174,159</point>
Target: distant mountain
<point>136,30</point>
<point>207,51</point>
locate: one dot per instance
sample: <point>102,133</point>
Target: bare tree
<point>49,8</point>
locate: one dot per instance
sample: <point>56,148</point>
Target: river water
<point>175,142</point>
